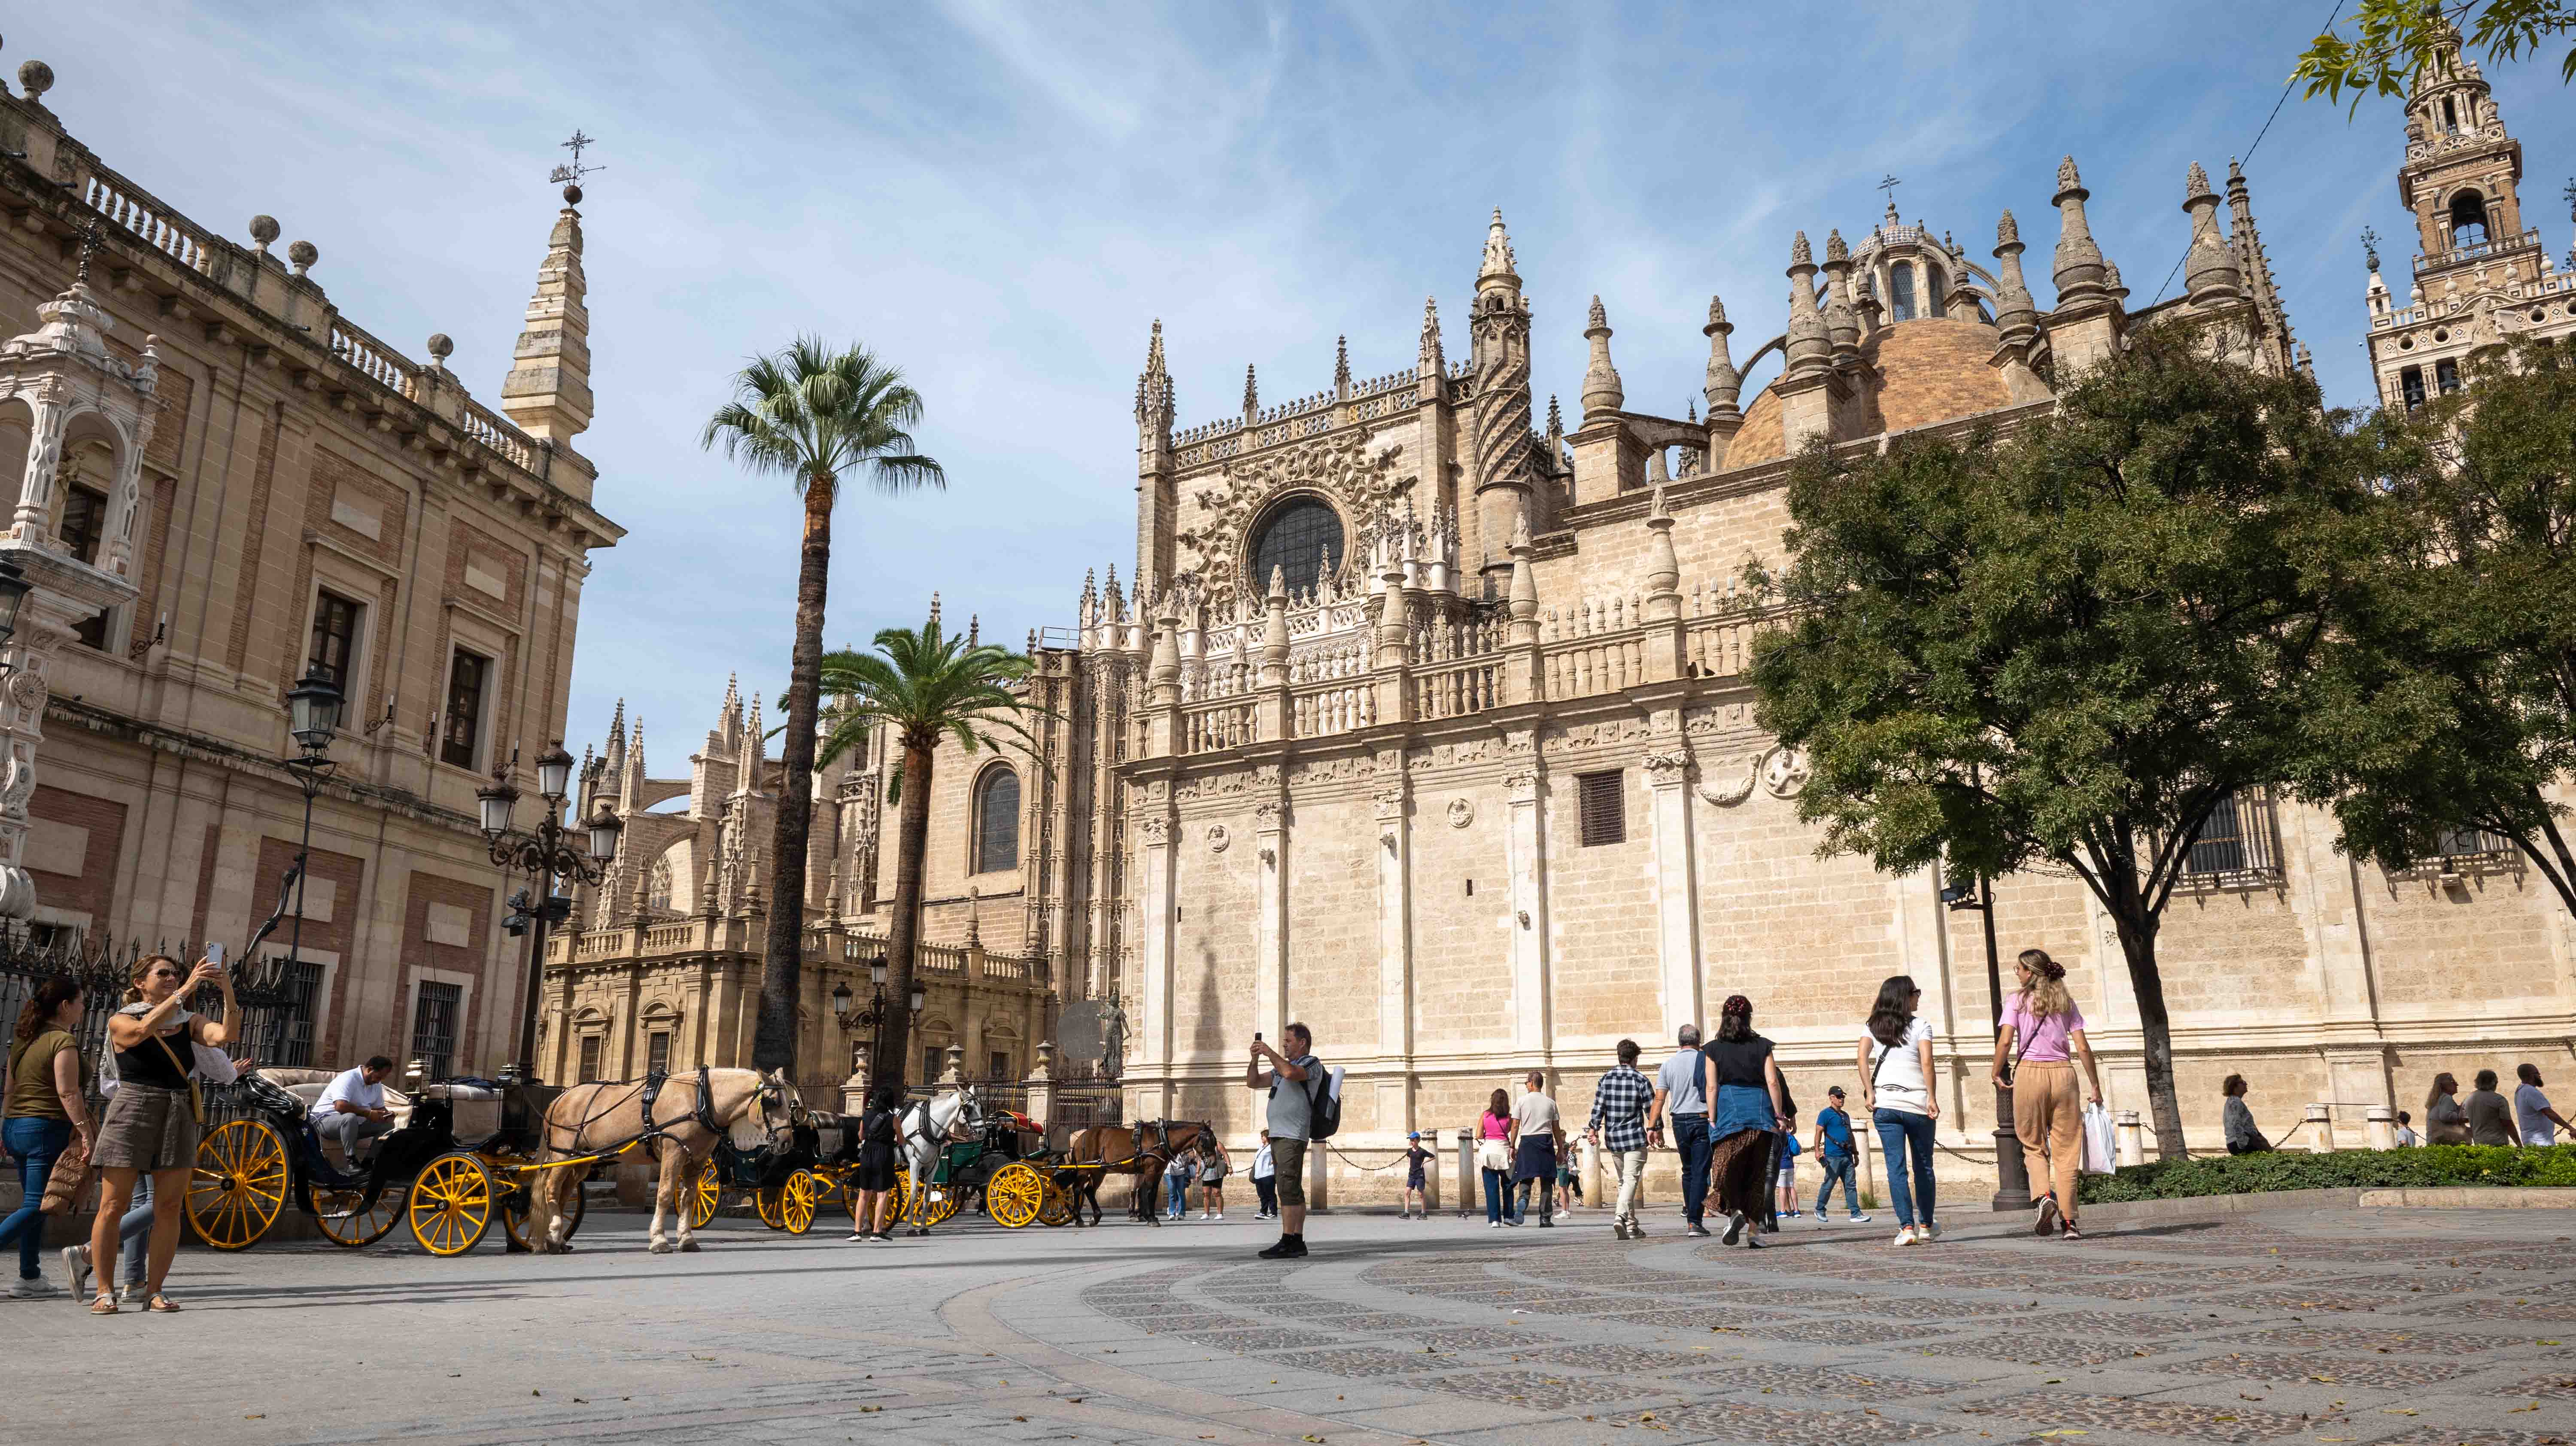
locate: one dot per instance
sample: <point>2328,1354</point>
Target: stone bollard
<point>2133,1139</point>
<point>2320,1123</point>
<point>1467,1182</point>
<point>1589,1157</point>
<point>2383,1127</point>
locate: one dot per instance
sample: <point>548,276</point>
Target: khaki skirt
<point>147,1127</point>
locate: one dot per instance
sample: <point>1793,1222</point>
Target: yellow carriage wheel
<point>769,1202</point>
<point>342,1221</point>
<point>703,1195</point>
<point>797,1200</point>
<point>451,1204</point>
<point>944,1200</point>
<point>1015,1195</point>
<point>518,1196</point>
<point>239,1184</point>
<point>900,1196</point>
<point>1058,1209</point>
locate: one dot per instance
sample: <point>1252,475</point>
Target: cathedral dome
<point>1913,374</point>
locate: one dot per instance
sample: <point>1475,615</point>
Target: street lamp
<point>547,855</point>
<point>313,710</point>
<point>312,718</point>
<point>841,1004</point>
<point>873,1017</point>
<point>2012,1176</point>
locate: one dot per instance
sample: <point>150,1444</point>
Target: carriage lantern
<point>841,1003</point>
<point>13,591</point>
<point>876,971</point>
<point>312,710</point>
<point>604,829</point>
<point>918,999</point>
<point>554,772</point>
<point>497,801</point>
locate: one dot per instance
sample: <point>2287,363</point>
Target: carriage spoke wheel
<point>900,1197</point>
<point>703,1195</point>
<point>451,1204</point>
<point>1058,1209</point>
<point>1015,1195</point>
<point>770,1201</point>
<point>797,1200</point>
<point>519,1196</point>
<point>239,1184</point>
<point>345,1218</point>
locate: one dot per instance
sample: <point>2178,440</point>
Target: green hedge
<point>2342,1170</point>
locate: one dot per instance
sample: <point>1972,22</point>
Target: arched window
<point>657,886</point>
<point>2468,219</point>
<point>1900,292</point>
<point>1302,537</point>
<point>997,821</point>
<point>1938,284</point>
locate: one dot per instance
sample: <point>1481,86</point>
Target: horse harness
<point>703,1110</point>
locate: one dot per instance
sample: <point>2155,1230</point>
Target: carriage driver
<point>352,1107</point>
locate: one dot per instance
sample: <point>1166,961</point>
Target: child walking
<point>1417,1181</point>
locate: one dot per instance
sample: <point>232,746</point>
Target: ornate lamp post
<point>545,855</point>
<point>873,1017</point>
<point>14,588</point>
<point>2012,1176</point>
<point>312,718</point>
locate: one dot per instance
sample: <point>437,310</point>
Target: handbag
<point>196,1096</point>
<point>2101,1147</point>
<point>71,1176</point>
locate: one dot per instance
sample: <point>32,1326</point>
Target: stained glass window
<point>1301,538</point>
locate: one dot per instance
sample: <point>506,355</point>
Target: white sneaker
<point>76,1266</point>
<point>33,1289</point>
<point>1493,1225</point>
<point>1929,1231</point>
<point>1905,1235</point>
<point>1220,1215</point>
<point>1856,1218</point>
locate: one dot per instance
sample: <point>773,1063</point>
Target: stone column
<point>1676,887</point>
<point>1394,917</point>
<point>1526,843</point>
<point>1154,907</point>
<point>32,524</point>
<point>2382,1128</point>
<point>2133,1141</point>
<point>1270,932</point>
<point>2320,1123</point>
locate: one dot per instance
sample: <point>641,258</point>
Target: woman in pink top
<point>2044,1021</point>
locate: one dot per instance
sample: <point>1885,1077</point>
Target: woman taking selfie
<point>45,1116</point>
<point>154,1120</point>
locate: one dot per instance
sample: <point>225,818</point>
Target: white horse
<point>931,1126</point>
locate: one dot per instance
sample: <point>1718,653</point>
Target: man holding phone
<point>1290,1080</point>
<point>352,1108</point>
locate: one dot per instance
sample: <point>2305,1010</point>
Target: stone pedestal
<point>2133,1139</point>
<point>2320,1129</point>
<point>2382,1128</point>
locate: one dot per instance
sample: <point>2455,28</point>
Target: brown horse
<point>1136,1151</point>
<point>744,1105</point>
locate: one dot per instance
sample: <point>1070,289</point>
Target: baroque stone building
<point>220,483</point>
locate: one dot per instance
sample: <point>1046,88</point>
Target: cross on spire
<point>571,175</point>
<point>1889,184</point>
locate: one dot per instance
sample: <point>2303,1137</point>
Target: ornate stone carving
<point>1218,837</point>
<point>1156,831</point>
<point>1390,801</point>
<point>1267,815</point>
<point>1784,772</point>
<point>1339,468</point>
<point>1665,770</point>
<point>1521,787</point>
<point>1462,812</point>
<point>1730,789</point>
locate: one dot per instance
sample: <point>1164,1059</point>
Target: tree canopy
<point>2392,39</point>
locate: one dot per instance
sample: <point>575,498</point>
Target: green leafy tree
<point>814,417</point>
<point>2064,646</point>
<point>2393,39</point>
<point>921,686</point>
<point>2451,709</point>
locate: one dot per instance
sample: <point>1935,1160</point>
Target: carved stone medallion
<point>1461,813</point>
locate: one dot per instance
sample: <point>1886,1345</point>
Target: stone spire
<point>1555,418</point>
<point>1808,348</point>
<point>548,389</point>
<point>755,751</point>
<point>1429,364</point>
<point>1154,386</point>
<point>1342,367</point>
<point>2078,268</point>
<point>2209,274</point>
<point>934,605</point>
<point>2015,316</point>
<point>974,629</point>
<point>1842,323</point>
<point>1601,389</point>
<point>1251,395</point>
<point>1498,256</point>
<point>2247,240</point>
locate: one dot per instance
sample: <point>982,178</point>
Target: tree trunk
<point>2155,1030</point>
<point>903,934</point>
<point>773,1042</point>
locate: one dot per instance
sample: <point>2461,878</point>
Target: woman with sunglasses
<point>151,1125</point>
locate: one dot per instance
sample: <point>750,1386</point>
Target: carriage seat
<point>307,1086</point>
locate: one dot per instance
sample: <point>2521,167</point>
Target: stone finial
<point>2210,275</point>
<point>1842,322</point>
<point>1251,394</point>
<point>2111,282</point>
<point>302,254</point>
<point>1601,389</point>
<point>974,629</point>
<point>2007,230</point>
<point>1429,361</point>
<point>2067,180</point>
<point>1279,583</point>
<point>2077,271</point>
<point>1341,366</point>
<point>934,610</point>
<point>1555,419</point>
<point>1836,250</point>
<point>263,230</point>
<point>547,391</point>
<point>1498,254</point>
<point>441,347</point>
<point>2015,315</point>
<point>1799,255</point>
<point>1808,346</point>
<point>37,78</point>
<point>1663,568</point>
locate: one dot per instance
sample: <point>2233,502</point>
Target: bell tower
<point>2461,176</point>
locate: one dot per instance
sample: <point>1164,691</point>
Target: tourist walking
<point>2044,1033</point>
<point>2445,1123</point>
<point>152,1123</point>
<point>1747,1099</point>
<point>1297,1082</point>
<point>1494,1130</point>
<point>2236,1120</point>
<point>1178,1171</point>
<point>1838,1155</point>
<point>47,1119</point>
<point>1539,1128</point>
<point>874,1179</point>
<point>1787,1153</point>
<point>2532,1116</point>
<point>1417,1177</point>
<point>2406,1131</point>
<point>1569,1184</point>
<point>1618,1125</point>
<point>1896,1088</point>
<point>2490,1114</point>
<point>1682,1099</point>
<point>1265,1181</point>
<point>1213,1165</point>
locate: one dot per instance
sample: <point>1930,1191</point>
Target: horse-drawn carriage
<point>460,1160</point>
<point>787,1183</point>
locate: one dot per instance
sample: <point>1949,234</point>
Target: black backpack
<point>1324,1112</point>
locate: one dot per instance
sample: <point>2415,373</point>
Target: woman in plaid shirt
<point>1619,1126</point>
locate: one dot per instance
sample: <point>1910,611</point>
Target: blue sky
<point>1001,198</point>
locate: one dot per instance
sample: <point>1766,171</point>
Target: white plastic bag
<point>2101,1146</point>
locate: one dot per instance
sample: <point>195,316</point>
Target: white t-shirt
<point>2528,1102</point>
<point>1537,1114</point>
<point>350,1085</point>
<point>1901,1085</point>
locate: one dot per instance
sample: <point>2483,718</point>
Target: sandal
<point>104,1305</point>
<point>162,1305</point>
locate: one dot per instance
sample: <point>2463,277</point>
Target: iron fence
<point>273,1007</point>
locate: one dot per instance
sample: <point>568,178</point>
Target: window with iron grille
<point>657,1052</point>
<point>465,675</point>
<point>2240,841</point>
<point>433,1027</point>
<point>335,638</point>
<point>2472,843</point>
<point>589,1058</point>
<point>303,981</point>
<point>933,1064</point>
<point>1604,806</point>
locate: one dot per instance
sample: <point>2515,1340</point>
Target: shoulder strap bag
<point>196,1096</point>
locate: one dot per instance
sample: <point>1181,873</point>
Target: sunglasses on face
<point>167,974</point>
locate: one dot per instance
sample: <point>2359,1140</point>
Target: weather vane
<point>570,176</point>
<point>2370,246</point>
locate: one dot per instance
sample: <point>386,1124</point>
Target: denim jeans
<point>1267,1187</point>
<point>1498,1188</point>
<point>35,1142</point>
<point>134,1233</point>
<point>1690,1136</point>
<point>1903,1134</point>
<point>1178,1188</point>
<point>1837,1167</point>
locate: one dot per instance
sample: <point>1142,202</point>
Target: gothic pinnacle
<point>1429,362</point>
<point>2015,316</point>
<point>1807,346</point>
<point>2209,273</point>
<point>1498,254</point>
<point>1601,389</point>
<point>1251,393</point>
<point>2077,270</point>
<point>1724,384</point>
<point>1341,366</point>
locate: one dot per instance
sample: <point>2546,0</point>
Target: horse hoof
<point>660,1247</point>
<point>689,1247</point>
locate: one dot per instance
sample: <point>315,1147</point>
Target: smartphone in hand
<point>215,954</point>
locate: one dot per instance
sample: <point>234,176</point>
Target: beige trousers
<point>2050,1121</point>
<point>1632,1169</point>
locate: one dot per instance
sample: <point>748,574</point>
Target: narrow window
<point>933,1064</point>
<point>1938,283</point>
<point>2468,220</point>
<point>1001,1064</point>
<point>433,1028</point>
<point>465,679</point>
<point>2450,116</point>
<point>335,638</point>
<point>997,822</point>
<point>1604,806</point>
<point>657,1052</point>
<point>589,1058</point>
<point>1900,291</point>
<point>2446,375</point>
<point>294,1031</point>
<point>84,520</point>
<point>2411,382</point>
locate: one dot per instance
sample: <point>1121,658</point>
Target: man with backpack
<point>1304,1107</point>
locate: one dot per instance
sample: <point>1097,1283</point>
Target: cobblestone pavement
<point>2374,1327</point>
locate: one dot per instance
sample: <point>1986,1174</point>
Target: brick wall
<point>421,893</point>
<point>91,887</point>
<point>347,877</point>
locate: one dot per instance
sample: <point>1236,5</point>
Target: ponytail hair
<point>2045,996</point>
<point>49,995</point>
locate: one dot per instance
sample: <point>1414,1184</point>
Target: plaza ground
<point>2379,1327</point>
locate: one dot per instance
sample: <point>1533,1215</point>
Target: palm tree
<point>920,686</point>
<point>810,415</point>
